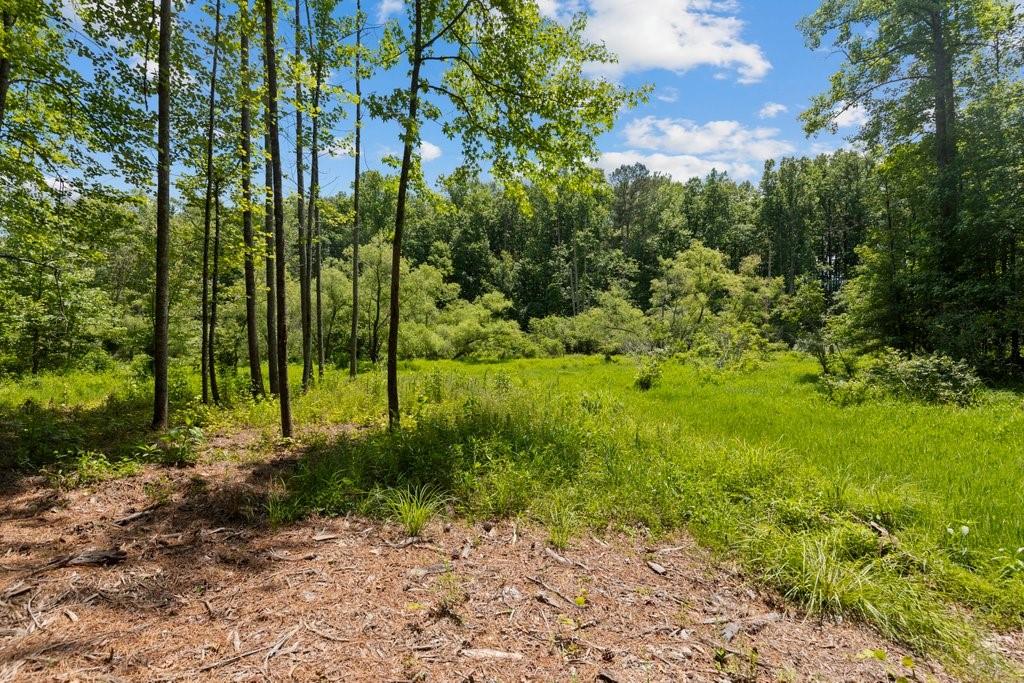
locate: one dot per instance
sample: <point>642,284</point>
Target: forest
<point>801,383</point>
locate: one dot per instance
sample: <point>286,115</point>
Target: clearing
<point>722,526</point>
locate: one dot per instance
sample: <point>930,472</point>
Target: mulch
<point>102,585</point>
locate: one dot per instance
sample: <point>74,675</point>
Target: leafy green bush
<point>648,373</point>
<point>179,447</point>
<point>933,379</point>
<point>84,468</point>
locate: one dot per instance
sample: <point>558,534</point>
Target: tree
<point>208,364</point>
<point>245,133</point>
<point>514,80</point>
<point>353,358</point>
<point>270,61</point>
<point>163,222</point>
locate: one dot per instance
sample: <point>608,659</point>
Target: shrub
<point>648,373</point>
<point>933,379</point>
<point>84,468</point>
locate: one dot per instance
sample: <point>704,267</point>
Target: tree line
<point>910,239</point>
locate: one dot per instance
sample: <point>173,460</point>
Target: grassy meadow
<point>905,516</point>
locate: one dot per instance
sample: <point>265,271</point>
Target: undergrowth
<point>499,450</point>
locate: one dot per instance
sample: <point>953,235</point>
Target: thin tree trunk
<point>268,231</point>
<point>212,354</point>
<point>320,342</point>
<point>270,55</point>
<point>210,119</point>
<point>313,214</point>
<point>204,360</point>
<point>307,362</point>
<point>394,416</point>
<point>313,245</point>
<point>353,357</point>
<point>161,298</point>
<point>252,336</point>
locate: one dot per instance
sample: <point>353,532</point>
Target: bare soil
<point>198,588</point>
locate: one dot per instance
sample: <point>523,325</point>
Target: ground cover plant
<point>910,523</point>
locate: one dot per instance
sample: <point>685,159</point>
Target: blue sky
<point>730,78</point>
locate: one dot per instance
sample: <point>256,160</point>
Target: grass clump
<point>413,506</point>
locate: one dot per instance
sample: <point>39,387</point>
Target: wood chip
<point>556,557</point>
<point>485,653</point>
<point>657,568</point>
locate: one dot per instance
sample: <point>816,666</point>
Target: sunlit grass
<point>891,513</point>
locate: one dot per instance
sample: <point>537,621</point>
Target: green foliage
<point>648,372</point>
<point>933,379</point>
<point>85,468</point>
<point>412,507</point>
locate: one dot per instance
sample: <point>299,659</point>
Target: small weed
<point>85,468</point>
<point>159,491</point>
<point>450,596</point>
<point>413,507</point>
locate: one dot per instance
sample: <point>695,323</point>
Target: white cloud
<point>684,148</point>
<point>679,166</point>
<point>772,109</point>
<point>720,139</point>
<point>851,117</point>
<point>387,8</point>
<point>676,35</point>
<point>429,151</point>
<point>667,94</point>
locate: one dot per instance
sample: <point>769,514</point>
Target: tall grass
<point>503,447</point>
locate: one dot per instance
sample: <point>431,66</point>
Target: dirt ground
<point>196,588</point>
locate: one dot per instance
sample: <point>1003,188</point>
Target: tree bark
<point>210,119</point>
<point>307,361</point>
<point>394,417</point>
<point>313,214</point>
<point>268,230</point>
<point>353,357</point>
<point>252,336</point>
<point>270,56</point>
<point>215,279</point>
<point>161,298</point>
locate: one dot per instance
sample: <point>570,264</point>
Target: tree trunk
<point>207,345</point>
<point>313,214</point>
<point>215,278</point>
<point>353,357</point>
<point>268,232</point>
<point>252,336</point>
<point>204,360</point>
<point>394,416</point>
<point>307,361</point>
<point>161,299</point>
<point>270,55</point>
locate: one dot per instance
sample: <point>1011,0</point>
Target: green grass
<point>968,463</point>
<point>855,511</point>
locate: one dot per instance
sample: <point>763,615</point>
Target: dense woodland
<point>908,240</point>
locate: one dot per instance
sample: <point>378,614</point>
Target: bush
<point>933,379</point>
<point>648,373</point>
